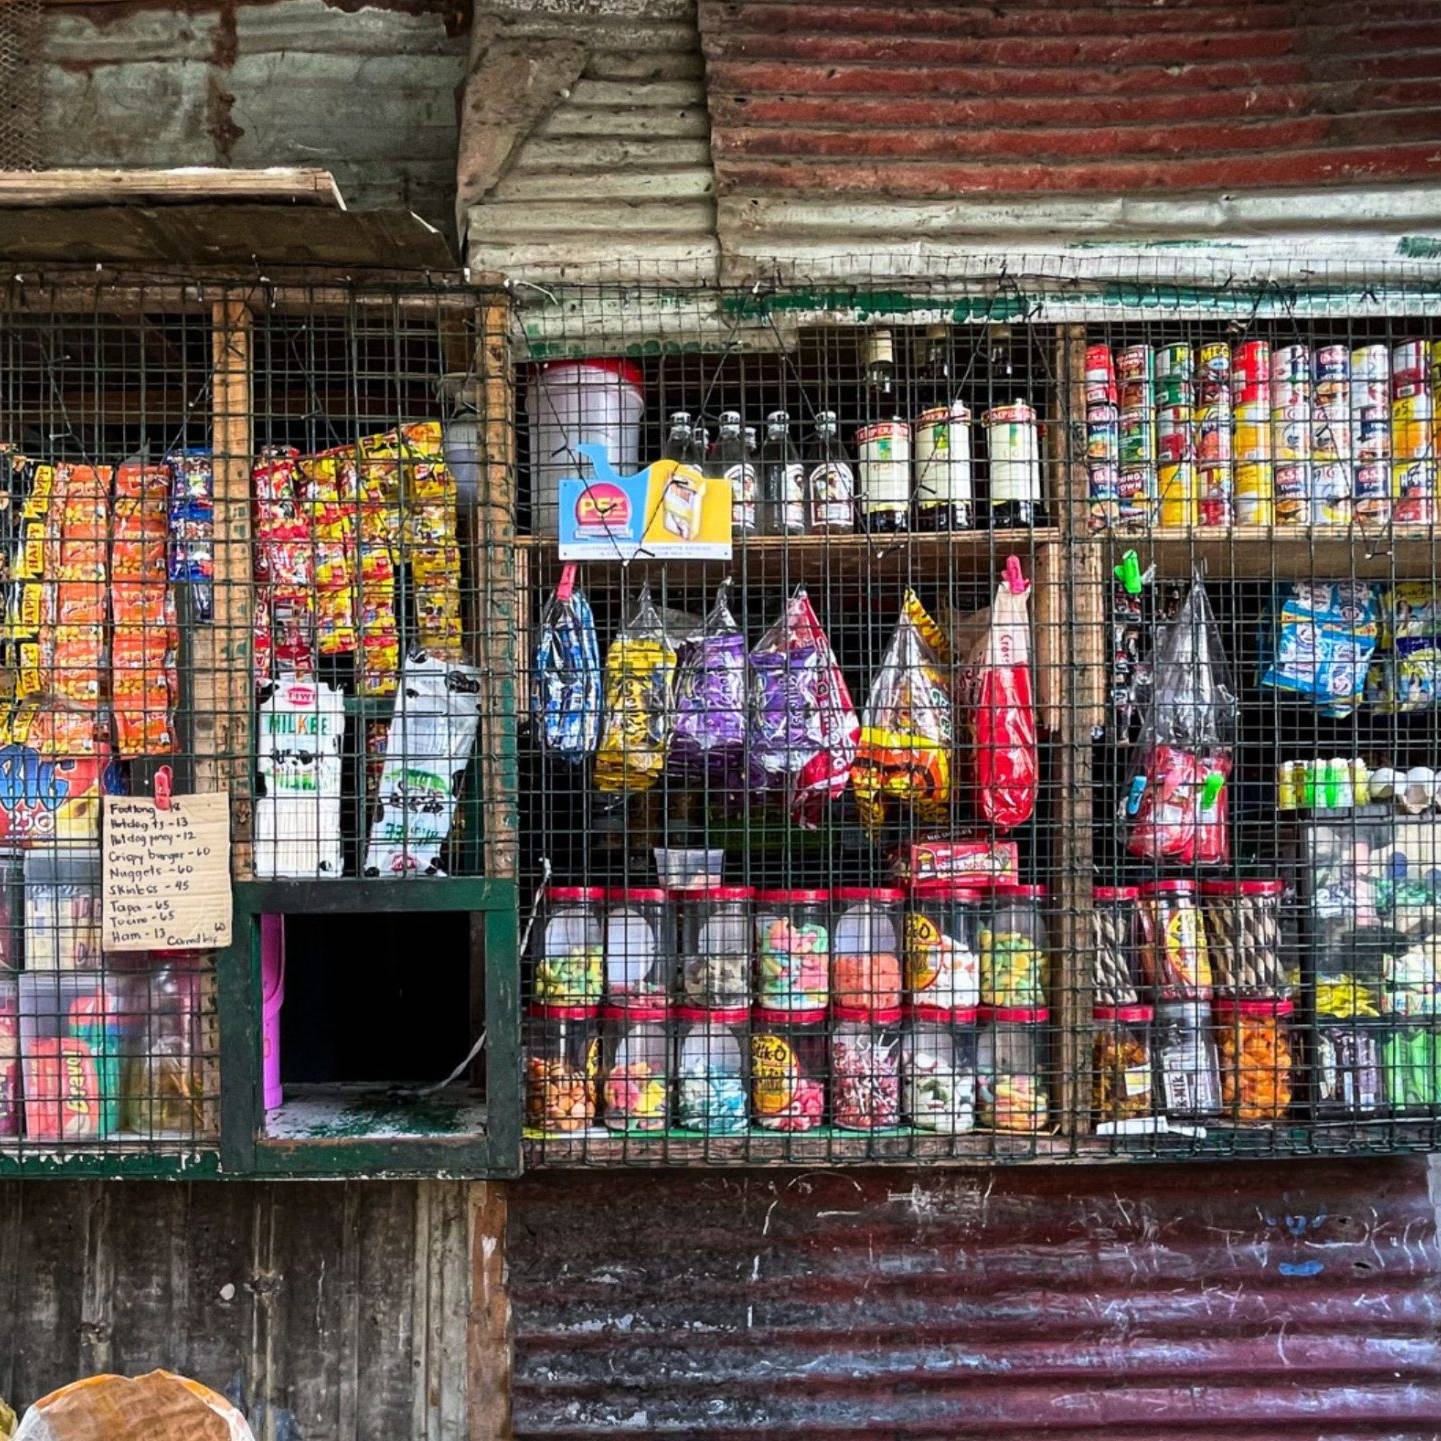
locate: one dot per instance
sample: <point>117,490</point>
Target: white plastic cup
<point>1419,790</point>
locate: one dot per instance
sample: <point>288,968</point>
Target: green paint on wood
<point>1419,247</point>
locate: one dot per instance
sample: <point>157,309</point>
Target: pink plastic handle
<point>566,588</point>
<point>164,780</point>
<point>1014,578</point>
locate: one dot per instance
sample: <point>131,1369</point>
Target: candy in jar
<point>717,941</point>
<point>1185,1059</point>
<point>637,945</point>
<point>1173,941</point>
<point>1013,947</point>
<point>938,1068</point>
<point>943,963</point>
<point>866,947</point>
<point>1243,937</point>
<point>788,1066</point>
<point>865,1067</point>
<point>569,964</point>
<point>1253,1041</point>
<point>636,1067</point>
<point>793,950</point>
<point>1113,928</point>
<point>712,1069</point>
<point>1120,1062</point>
<point>1010,1074</point>
<point>562,1061</point>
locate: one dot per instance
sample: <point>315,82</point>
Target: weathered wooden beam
<point>189,185</point>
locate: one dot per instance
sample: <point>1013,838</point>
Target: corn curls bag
<point>905,741</point>
<point>565,690</point>
<point>803,724</point>
<point>639,671</point>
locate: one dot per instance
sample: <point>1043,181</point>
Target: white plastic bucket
<point>579,402</point>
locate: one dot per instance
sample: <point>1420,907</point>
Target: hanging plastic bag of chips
<point>1319,636</point>
<point>1406,672</point>
<point>905,742</point>
<point>803,724</point>
<point>1174,807</point>
<point>565,692</point>
<point>709,737</point>
<point>639,672</point>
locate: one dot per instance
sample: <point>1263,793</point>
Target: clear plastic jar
<point>712,1069</point>
<point>788,1069</point>
<point>1120,1062</point>
<point>170,1082</point>
<point>793,950</point>
<point>562,1063</point>
<point>1014,945</point>
<point>938,1068</point>
<point>1243,938</point>
<point>636,1067</point>
<point>1253,1045</point>
<point>866,1067</point>
<point>717,944</point>
<point>943,962</point>
<point>1184,1052</point>
<point>1116,972</point>
<point>1010,1068</point>
<point>866,947</point>
<point>1173,942</point>
<point>1348,1068</point>
<point>570,948</point>
<point>638,940</point>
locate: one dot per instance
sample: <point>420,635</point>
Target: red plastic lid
<point>877,1015</point>
<point>868,893</point>
<point>712,893</point>
<point>793,895</point>
<point>964,888</point>
<point>1122,1013</point>
<point>648,1011</point>
<point>769,1016</point>
<point>1010,888</point>
<point>577,893</point>
<point>1242,888</point>
<point>635,893</point>
<point>1160,888</point>
<point>721,1015</point>
<point>626,369</point>
<point>1115,893</point>
<point>540,1011</point>
<point>1025,1015</point>
<point>946,1015</point>
<point>1255,1007</point>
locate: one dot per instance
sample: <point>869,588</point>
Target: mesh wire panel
<point>19,83</point>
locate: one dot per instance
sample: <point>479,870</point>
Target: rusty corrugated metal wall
<point>1251,1302</point>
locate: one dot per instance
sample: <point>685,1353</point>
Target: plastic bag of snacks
<point>803,724</point>
<point>639,670</point>
<point>905,742</point>
<point>1406,672</point>
<point>1319,637</point>
<point>565,692</point>
<point>158,1406</point>
<point>709,734</point>
<point>1174,809</point>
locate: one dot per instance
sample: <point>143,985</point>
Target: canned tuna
<point>1292,489</point>
<point>1413,492</point>
<point>1100,375</point>
<point>1332,365</point>
<point>1217,503</point>
<point>1290,434</point>
<point>1254,491</point>
<point>1290,376</point>
<point>1370,378</point>
<point>1331,493</point>
<point>1103,439</point>
<point>1331,433</point>
<point>1177,486</point>
<point>1372,437</point>
<point>1371,494</point>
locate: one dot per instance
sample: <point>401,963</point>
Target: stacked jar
<point>866,1007</point>
<point>635,1020</point>
<point>1120,1022</point>
<point>712,1069</point>
<point>788,1043</point>
<point>1014,972</point>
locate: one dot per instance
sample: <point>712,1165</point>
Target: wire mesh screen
<point>1045,772</point>
<point>19,82</point>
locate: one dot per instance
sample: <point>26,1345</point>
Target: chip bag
<point>639,672</point>
<point>803,724</point>
<point>565,692</point>
<point>905,740</point>
<point>709,735</point>
<point>1320,636</point>
<point>1406,673</point>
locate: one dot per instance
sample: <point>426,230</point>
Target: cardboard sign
<point>166,873</point>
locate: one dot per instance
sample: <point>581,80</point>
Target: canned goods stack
<point>1137,392</point>
<point>1215,477</point>
<point>1371,433</point>
<point>1175,437</point>
<point>1103,439</point>
<point>1255,475</point>
<point>1331,439</point>
<point>1291,434</point>
<point>1413,460</point>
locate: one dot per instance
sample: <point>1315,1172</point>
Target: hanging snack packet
<point>192,525</point>
<point>1406,673</point>
<point>1174,808</point>
<point>803,725</point>
<point>709,737</point>
<point>639,670</point>
<point>565,692</point>
<point>905,741</point>
<point>1320,636</point>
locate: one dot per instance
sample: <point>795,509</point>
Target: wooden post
<point>488,1339</point>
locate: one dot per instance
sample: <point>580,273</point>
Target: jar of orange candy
<point>1253,1042</point>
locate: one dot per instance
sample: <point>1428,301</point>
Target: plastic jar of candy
<point>943,962</point>
<point>717,942</point>
<point>638,941</point>
<point>635,1067</point>
<point>1116,972</point>
<point>866,1067</point>
<point>793,950</point>
<point>1348,1068</point>
<point>788,1069</point>
<point>938,1068</point>
<point>1120,1062</point>
<point>866,947</point>
<point>562,1062</point>
<point>1253,1045</point>
<point>1010,1068</point>
<point>1173,942</point>
<point>1014,947</point>
<point>1183,1048</point>
<point>712,1068</point>
<point>1411,1065</point>
<point>570,949</point>
<point>1243,938</point>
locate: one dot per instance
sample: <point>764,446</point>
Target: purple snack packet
<point>708,737</point>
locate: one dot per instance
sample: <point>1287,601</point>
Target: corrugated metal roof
<point>1265,1301</point>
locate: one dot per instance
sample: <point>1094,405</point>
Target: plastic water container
<point>272,988</point>
<point>571,403</point>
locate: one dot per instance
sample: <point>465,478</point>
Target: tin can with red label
<point>1331,432</point>
<point>1292,487</point>
<point>1103,436</point>
<point>1213,372</point>
<point>1413,492</point>
<point>1100,375</point>
<point>1175,440</point>
<point>1253,374</point>
<point>1371,494</point>
<point>1290,376</point>
<point>1174,371</point>
<point>1137,497</point>
<point>1134,378</point>
<point>1216,505</point>
<point>1371,434</point>
<point>1213,432</point>
<point>1138,437</point>
<point>1408,367</point>
<point>1290,434</point>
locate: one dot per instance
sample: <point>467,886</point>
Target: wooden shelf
<point>1286,553</point>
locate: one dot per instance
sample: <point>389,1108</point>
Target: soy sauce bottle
<point>783,486</point>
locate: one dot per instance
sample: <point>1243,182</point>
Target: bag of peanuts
<point>158,1406</point>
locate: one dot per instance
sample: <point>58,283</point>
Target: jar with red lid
<point>866,1067</point>
<point>570,948</point>
<point>716,930</point>
<point>1014,947</point>
<point>1243,938</point>
<point>1115,972</point>
<point>1010,1068</point>
<point>1253,1043</point>
<point>638,946</point>
<point>712,1069</point>
<point>562,1064</point>
<point>1120,1062</point>
<point>938,1068</point>
<point>793,950</point>
<point>1173,942</point>
<point>943,963</point>
<point>866,947</point>
<point>788,1069</point>
<point>636,1067</point>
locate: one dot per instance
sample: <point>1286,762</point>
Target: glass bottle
<point>680,443</point>
<point>783,495</point>
<point>735,461</point>
<point>1013,447</point>
<point>830,481</point>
